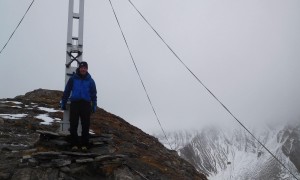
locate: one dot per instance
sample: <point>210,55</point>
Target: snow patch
<point>13,116</point>
<point>48,109</point>
<point>15,102</point>
<point>47,120</point>
<point>91,132</point>
<point>17,107</point>
<point>16,145</point>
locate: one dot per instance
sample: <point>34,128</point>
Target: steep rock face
<point>290,137</point>
<point>32,149</point>
<point>235,154</point>
<point>213,149</point>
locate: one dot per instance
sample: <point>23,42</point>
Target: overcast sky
<point>246,52</point>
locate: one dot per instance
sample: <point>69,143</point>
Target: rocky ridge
<point>33,149</point>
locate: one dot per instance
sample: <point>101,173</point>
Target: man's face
<point>83,70</point>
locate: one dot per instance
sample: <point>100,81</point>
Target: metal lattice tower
<point>74,50</point>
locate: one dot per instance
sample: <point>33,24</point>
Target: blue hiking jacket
<point>80,88</point>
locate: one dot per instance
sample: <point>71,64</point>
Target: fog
<point>246,52</point>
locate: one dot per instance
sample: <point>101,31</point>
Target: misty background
<point>246,52</point>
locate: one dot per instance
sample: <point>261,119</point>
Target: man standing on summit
<point>82,89</point>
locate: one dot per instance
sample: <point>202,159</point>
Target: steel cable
<point>17,27</point>
<point>139,75</point>
<point>210,91</point>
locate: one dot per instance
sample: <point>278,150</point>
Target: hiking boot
<point>84,148</point>
<point>74,148</point>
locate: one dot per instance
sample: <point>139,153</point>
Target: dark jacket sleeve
<point>67,91</point>
<point>93,92</point>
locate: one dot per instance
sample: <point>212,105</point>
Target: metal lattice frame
<point>74,50</point>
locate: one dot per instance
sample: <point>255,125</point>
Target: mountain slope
<point>31,148</point>
<point>234,154</point>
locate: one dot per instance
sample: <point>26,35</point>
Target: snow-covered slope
<point>176,139</point>
<point>235,154</point>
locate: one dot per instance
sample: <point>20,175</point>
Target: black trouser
<point>80,109</point>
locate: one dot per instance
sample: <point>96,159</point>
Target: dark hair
<point>83,64</point>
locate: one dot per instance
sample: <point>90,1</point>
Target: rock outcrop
<point>33,149</point>
<point>290,137</point>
